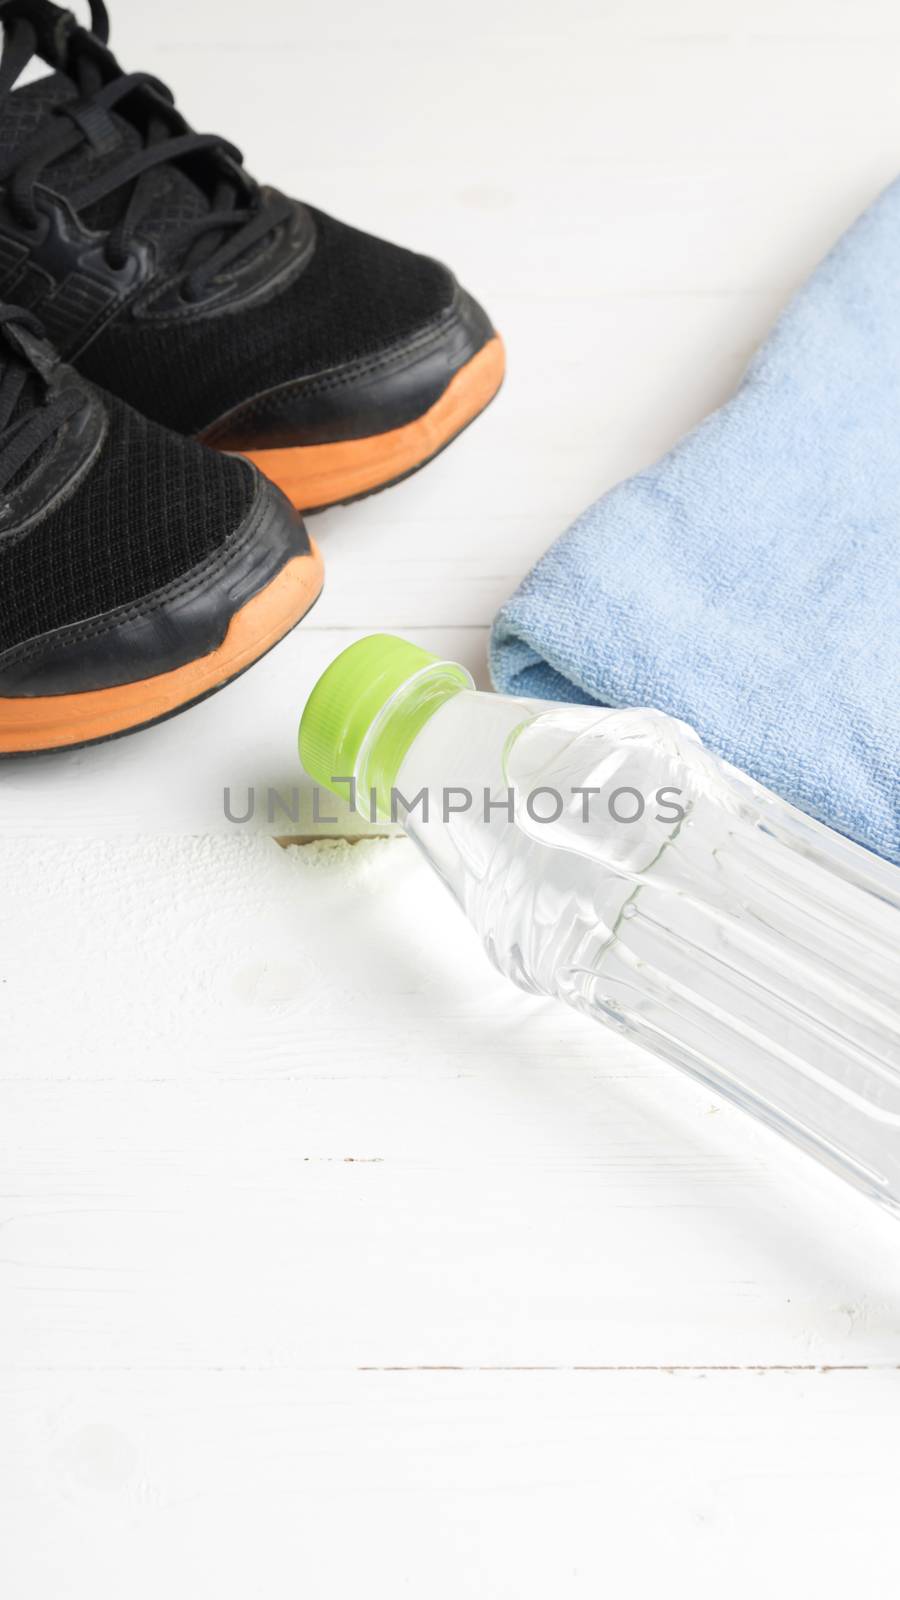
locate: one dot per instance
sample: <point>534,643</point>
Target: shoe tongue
<point>23,112</point>
<point>176,201</point>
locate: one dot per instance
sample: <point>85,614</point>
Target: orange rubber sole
<point>318,475</point>
<point>57,722</point>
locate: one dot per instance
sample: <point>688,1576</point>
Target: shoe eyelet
<point>119,269</point>
<point>32,228</point>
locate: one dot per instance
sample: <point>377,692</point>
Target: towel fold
<point>749,582</point>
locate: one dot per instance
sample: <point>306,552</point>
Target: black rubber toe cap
<point>174,625</point>
<point>362,397</point>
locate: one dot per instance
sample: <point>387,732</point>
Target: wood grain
<point>329,1263</point>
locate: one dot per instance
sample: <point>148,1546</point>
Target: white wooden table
<point>330,1264</point>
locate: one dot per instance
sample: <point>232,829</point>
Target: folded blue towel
<point>749,582</point>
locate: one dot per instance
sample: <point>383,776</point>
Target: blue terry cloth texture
<point>749,582</point>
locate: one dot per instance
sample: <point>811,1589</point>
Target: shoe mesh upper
<point>152,506</point>
<point>358,294</point>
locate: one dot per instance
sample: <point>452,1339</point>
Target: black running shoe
<point>337,362</point>
<point>139,571</point>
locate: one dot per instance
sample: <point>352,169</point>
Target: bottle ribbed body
<point>656,889</point>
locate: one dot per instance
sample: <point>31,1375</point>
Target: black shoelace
<point>27,419</point>
<point>240,215</point>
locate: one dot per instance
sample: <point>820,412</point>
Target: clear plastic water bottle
<point>606,857</point>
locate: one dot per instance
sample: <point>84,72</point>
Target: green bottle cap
<point>366,710</point>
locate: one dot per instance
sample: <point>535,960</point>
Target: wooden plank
<point>448,1484</point>
<point>328,1260</point>
<point>295,1117</point>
